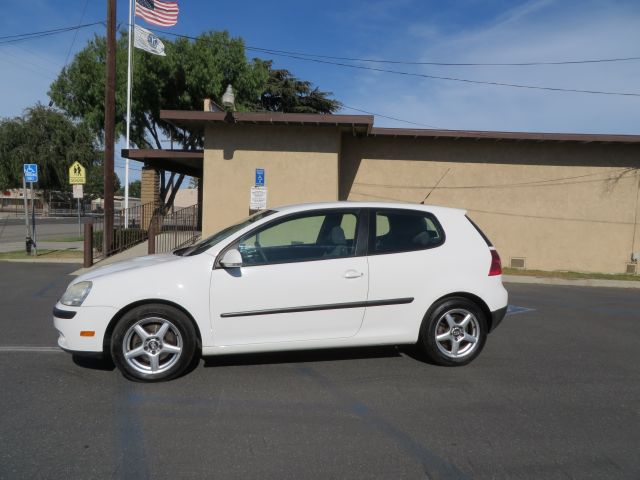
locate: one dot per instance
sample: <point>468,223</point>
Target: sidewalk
<point>20,246</point>
<point>586,282</point>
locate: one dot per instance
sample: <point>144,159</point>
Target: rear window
<point>405,231</point>
<point>486,239</point>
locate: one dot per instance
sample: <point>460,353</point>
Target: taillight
<point>496,264</point>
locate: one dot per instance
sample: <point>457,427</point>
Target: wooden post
<point>88,244</point>
<point>152,237</point>
<point>109,125</point>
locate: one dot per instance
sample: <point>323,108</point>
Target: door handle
<point>353,274</point>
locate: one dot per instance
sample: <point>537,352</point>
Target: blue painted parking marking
<point>513,309</point>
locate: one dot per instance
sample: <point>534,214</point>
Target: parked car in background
<point>312,276</point>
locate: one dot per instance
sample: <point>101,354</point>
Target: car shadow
<point>94,363</point>
<point>306,356</point>
<point>414,352</point>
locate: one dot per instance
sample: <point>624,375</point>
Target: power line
<point>75,35</point>
<point>8,39</point>
<point>562,181</point>
<point>274,51</point>
<point>422,75</point>
<point>455,79</point>
<point>447,64</point>
<point>389,118</point>
<point>319,59</point>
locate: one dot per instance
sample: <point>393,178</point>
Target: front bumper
<point>82,329</point>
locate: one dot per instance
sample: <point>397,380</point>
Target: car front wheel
<point>152,343</point>
<point>454,332</point>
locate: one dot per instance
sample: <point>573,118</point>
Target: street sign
<point>77,174</point>
<point>259,177</point>
<point>78,191</point>
<point>30,172</point>
<point>258,200</point>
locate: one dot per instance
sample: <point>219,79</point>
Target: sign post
<point>77,178</point>
<point>33,220</point>
<point>30,174</point>
<point>258,198</point>
<point>78,193</point>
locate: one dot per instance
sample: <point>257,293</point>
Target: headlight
<point>76,293</point>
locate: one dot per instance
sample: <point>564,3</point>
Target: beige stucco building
<point>547,201</point>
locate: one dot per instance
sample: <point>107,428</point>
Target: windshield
<point>209,242</point>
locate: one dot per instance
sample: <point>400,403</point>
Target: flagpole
<point>129,81</point>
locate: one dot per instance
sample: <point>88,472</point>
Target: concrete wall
<point>185,197</point>
<point>561,206</point>
<point>301,165</point>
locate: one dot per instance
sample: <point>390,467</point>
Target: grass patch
<point>571,275</point>
<point>62,239</point>
<point>43,254</point>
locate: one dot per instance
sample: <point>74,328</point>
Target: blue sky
<point>412,30</point>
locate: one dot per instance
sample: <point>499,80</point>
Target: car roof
<point>435,209</point>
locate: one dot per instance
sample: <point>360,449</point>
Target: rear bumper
<point>497,316</point>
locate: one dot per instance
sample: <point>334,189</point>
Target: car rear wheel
<point>152,343</point>
<point>453,332</point>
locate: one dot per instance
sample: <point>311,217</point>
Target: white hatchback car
<point>300,277</point>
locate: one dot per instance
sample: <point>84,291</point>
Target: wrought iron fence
<point>175,230</point>
<point>140,223</point>
<point>130,227</point>
<point>68,208</point>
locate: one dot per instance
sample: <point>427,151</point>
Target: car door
<point>303,277</point>
<point>405,267</point>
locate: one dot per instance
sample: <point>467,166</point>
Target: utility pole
<point>109,126</point>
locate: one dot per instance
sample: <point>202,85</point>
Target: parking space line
<point>18,348</point>
<point>513,309</point>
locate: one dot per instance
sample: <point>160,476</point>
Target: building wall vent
<point>632,268</point>
<point>517,262</point>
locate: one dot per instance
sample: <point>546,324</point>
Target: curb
<point>586,282</point>
<point>45,260</point>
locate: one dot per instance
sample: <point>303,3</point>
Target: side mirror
<point>231,259</point>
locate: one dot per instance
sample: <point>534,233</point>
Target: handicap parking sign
<point>30,172</point>
<point>259,177</point>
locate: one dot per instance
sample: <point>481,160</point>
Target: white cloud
<point>541,30</point>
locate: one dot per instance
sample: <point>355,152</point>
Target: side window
<point>405,231</point>
<point>311,237</point>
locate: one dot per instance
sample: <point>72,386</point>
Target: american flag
<point>160,13</point>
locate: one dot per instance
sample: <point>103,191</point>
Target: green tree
<point>191,71</point>
<point>286,93</point>
<point>48,138</point>
<point>135,188</point>
<point>95,179</point>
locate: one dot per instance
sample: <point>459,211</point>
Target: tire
<point>153,343</point>
<point>453,332</point>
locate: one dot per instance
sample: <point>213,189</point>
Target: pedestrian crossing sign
<point>77,174</point>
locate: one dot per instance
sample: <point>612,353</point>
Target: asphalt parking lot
<point>555,394</point>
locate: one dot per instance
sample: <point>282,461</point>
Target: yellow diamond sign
<point>77,174</point>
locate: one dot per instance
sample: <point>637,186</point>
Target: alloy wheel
<point>152,345</point>
<point>457,333</point>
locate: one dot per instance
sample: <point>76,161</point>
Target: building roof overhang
<point>188,162</point>
<point>196,120</point>
<point>498,136</point>
<point>363,124</point>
